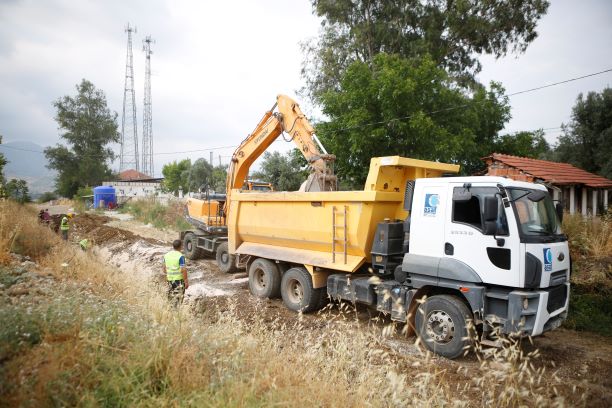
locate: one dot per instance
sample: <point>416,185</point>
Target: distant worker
<point>64,227</point>
<point>84,244</point>
<point>176,273</point>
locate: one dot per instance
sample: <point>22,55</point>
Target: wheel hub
<point>296,292</point>
<point>440,327</point>
<point>259,279</point>
<point>224,257</point>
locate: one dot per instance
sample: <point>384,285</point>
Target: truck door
<point>492,257</point>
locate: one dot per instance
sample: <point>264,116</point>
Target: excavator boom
<point>289,119</point>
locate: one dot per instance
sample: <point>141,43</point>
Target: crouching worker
<point>176,274</point>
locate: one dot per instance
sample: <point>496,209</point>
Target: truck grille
<point>556,298</point>
<point>557,278</point>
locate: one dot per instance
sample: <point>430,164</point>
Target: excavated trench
<point>578,358</point>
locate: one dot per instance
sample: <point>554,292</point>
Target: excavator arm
<point>289,119</point>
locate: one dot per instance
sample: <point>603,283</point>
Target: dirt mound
<point>92,227</point>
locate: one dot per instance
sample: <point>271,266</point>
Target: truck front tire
<point>264,279</point>
<point>190,246</point>
<point>442,325</point>
<point>225,261</point>
<point>298,293</point>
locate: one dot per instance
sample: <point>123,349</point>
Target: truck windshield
<point>535,218</point>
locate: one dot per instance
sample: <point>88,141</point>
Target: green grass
<point>159,215</point>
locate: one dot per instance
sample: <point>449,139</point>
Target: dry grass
<point>104,340</point>
<point>162,216</point>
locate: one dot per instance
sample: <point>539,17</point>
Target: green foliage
<point>453,33</point>
<point>18,190</point>
<point>193,177</point>
<point>175,176</point>
<point>88,127</point>
<point>285,172</point>
<point>397,106</point>
<point>524,144</point>
<point>198,175</point>
<point>2,163</point>
<point>590,312</point>
<point>219,179</point>
<point>46,197</point>
<point>587,141</point>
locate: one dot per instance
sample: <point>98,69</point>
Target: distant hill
<point>25,163</point>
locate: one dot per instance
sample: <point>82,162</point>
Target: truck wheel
<point>190,246</point>
<point>298,293</point>
<point>264,279</point>
<point>225,261</point>
<point>441,324</point>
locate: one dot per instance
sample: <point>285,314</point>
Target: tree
<point>198,176</point>
<point>219,179</point>
<point>524,144</point>
<point>285,172</point>
<point>18,190</point>
<point>586,141</point>
<point>2,163</point>
<point>3,192</point>
<point>175,176</point>
<point>46,197</point>
<point>88,127</point>
<point>397,106</point>
<point>453,33</point>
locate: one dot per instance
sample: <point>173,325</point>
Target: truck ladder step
<point>335,239</point>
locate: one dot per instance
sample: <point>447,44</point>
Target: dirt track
<point>579,359</point>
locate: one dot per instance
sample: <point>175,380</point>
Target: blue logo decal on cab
<point>548,259</point>
<point>431,205</point>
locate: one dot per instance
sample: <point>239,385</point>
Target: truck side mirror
<point>559,209</point>
<point>490,215</point>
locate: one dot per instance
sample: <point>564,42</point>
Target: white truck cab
<point>484,249</point>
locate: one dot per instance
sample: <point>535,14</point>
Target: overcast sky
<point>217,66</point>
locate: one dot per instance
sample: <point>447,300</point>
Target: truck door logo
<point>431,205</point>
<point>548,259</point>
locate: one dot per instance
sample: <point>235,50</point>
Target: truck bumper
<point>532,313</point>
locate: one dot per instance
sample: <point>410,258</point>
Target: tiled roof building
<point>567,183</point>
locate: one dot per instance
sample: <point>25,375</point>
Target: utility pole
<point>211,159</point>
<point>147,116</point>
<point>129,133</point>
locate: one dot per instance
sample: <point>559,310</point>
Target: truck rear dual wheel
<point>298,293</point>
<point>442,325</point>
<point>190,246</point>
<point>264,279</point>
<point>225,261</point>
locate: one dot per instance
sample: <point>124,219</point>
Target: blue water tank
<point>106,194</point>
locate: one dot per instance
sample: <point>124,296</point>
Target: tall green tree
<point>524,144</point>
<point>453,32</point>
<point>586,141</point>
<point>2,163</point>
<point>397,106</point>
<point>18,190</point>
<point>87,127</point>
<point>176,176</point>
<point>198,176</point>
<point>284,171</point>
<point>219,179</point>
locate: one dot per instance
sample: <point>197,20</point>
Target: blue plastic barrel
<point>105,194</point>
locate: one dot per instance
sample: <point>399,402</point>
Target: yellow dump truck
<point>434,252</point>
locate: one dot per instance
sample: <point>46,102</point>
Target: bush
<point>47,196</point>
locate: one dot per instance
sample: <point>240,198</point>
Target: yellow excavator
<point>208,215</point>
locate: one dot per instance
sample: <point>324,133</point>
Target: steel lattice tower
<point>147,117</point>
<point>129,132</point>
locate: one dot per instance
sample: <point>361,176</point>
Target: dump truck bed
<point>329,230</point>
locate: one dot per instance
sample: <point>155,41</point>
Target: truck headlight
<point>525,303</point>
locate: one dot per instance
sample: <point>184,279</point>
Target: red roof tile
<point>553,172</point>
<point>132,174</point>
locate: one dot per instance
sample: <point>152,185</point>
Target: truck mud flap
<point>351,288</point>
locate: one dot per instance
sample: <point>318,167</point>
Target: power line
<point>467,105</point>
<point>379,122</point>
